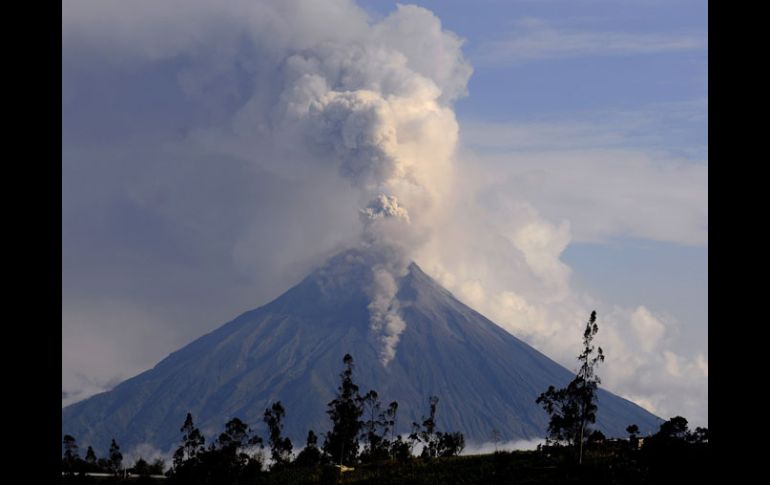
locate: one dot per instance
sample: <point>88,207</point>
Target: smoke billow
<point>386,323</point>
<point>389,130</point>
<point>384,206</point>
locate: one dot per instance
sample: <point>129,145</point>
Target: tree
<point>310,456</point>
<point>235,437</point>
<point>700,435</point>
<point>391,415</point>
<point>427,431</point>
<point>192,442</point>
<point>141,467</point>
<point>376,426</point>
<point>673,429</point>
<point>401,450</point>
<point>573,408</point>
<point>115,458</point>
<point>633,436</point>
<point>70,458</point>
<point>436,443</point>
<point>341,443</point>
<point>225,460</point>
<point>91,462</point>
<point>90,456</point>
<point>563,412</point>
<point>450,444</point>
<point>596,437</point>
<point>103,465</point>
<point>280,447</point>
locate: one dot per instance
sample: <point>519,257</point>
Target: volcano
<point>291,350</point>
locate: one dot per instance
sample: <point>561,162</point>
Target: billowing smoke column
<point>386,323</point>
<point>380,111</point>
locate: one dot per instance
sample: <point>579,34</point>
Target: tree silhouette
<point>192,442</point>
<point>436,443</point>
<point>700,435</point>
<point>596,437</point>
<point>70,458</point>
<point>115,458</point>
<point>450,444</point>
<point>673,429</point>
<point>224,462</point>
<point>426,432</point>
<point>633,436</point>
<point>376,426</point>
<point>90,462</point>
<point>391,415</point>
<point>235,437</point>
<point>310,456</point>
<point>141,467</point>
<point>401,450</point>
<point>573,408</point>
<point>280,447</point>
<point>341,443</point>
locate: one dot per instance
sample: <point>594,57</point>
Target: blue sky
<point>580,171</point>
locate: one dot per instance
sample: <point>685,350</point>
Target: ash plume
<point>384,206</point>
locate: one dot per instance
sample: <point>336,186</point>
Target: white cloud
<point>649,330</point>
<point>608,174</point>
<point>604,193</point>
<point>673,128</point>
<point>536,40</point>
<point>502,256</point>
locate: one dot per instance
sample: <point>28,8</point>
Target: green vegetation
<point>361,447</point>
<point>573,408</point>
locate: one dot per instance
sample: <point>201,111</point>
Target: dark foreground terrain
<point>610,463</point>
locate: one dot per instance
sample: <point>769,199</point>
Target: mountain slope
<point>291,350</point>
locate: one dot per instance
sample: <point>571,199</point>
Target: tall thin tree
<point>192,442</point>
<point>587,381</point>
<point>280,446</point>
<point>70,458</point>
<point>115,458</point>
<point>341,442</point>
<point>573,408</point>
